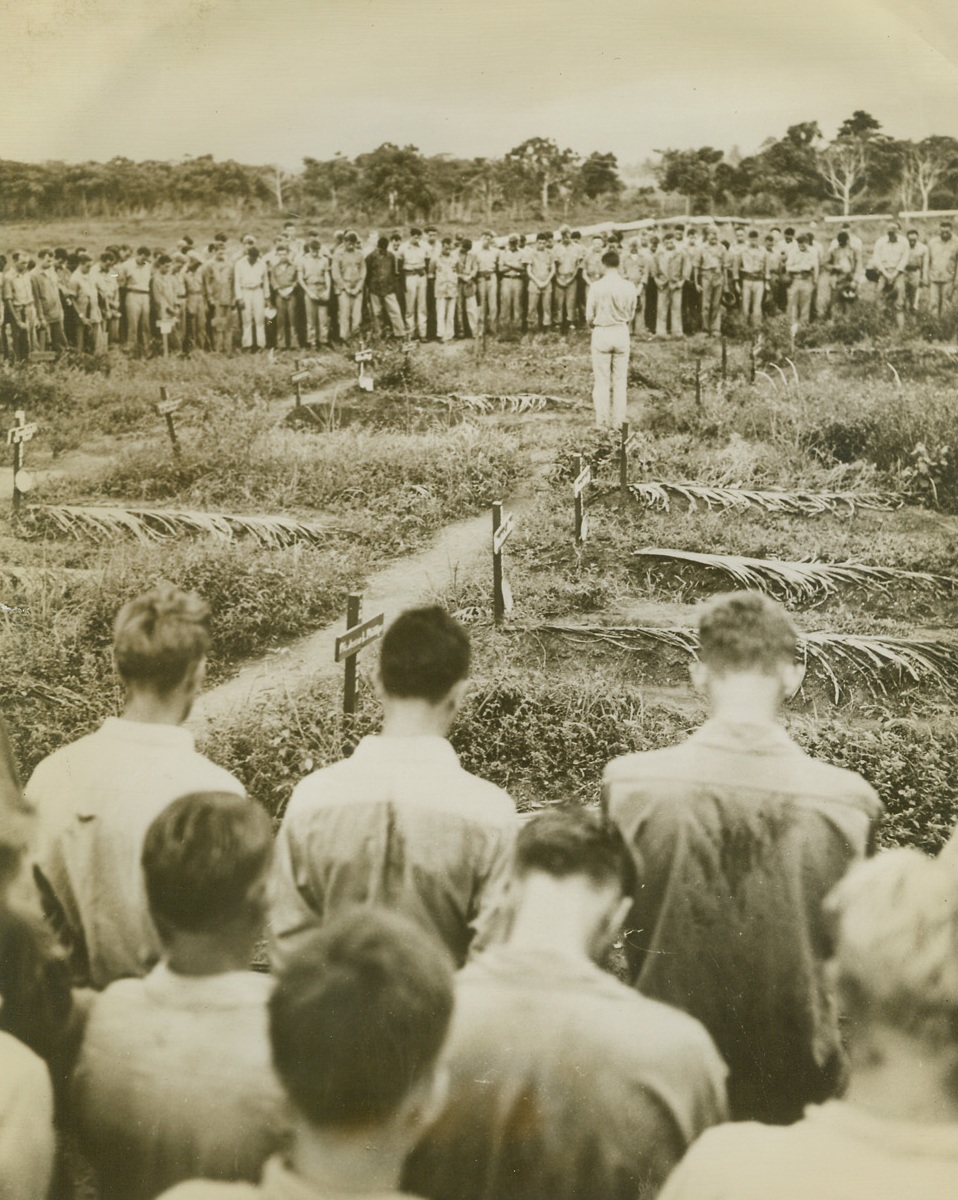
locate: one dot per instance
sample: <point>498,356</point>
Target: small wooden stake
<point>501,531</point>
<point>166,408</point>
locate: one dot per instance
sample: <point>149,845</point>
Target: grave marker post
<point>17,437</point>
<point>502,527</point>
<point>166,408</point>
<point>582,480</point>
<point>358,634</point>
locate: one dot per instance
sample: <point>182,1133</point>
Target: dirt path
<point>409,581</point>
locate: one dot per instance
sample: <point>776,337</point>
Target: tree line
<point>860,169</point>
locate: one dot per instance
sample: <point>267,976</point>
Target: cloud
<point>270,83</point>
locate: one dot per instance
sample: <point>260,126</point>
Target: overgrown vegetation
<point>547,743</point>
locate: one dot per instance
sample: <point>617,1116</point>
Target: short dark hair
<point>789,231</point>
<point>842,238</point>
<point>160,636</point>
<point>359,1017</point>
<point>745,631</point>
<point>201,856</point>
<point>572,840</point>
<point>415,231</point>
<point>425,652</point>
<point>145,250</point>
<point>382,243</point>
<point>466,244</point>
<point>610,258</point>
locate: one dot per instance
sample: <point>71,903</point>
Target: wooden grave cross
<point>359,633</point>
<point>166,408</point>
<point>297,378</point>
<point>626,442</point>
<point>582,480</point>
<point>17,437</point>
<point>502,527</point>
<point>363,357</point>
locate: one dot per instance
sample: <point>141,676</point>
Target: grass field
<point>376,475</point>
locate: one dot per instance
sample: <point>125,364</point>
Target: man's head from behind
<point>357,1022</point>
<point>423,664</point>
<point>205,859</point>
<point>895,963</point>
<point>573,875</point>
<point>747,639</point>
<point>160,643</point>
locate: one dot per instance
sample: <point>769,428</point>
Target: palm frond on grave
<point>108,522</point>
<point>520,402</point>
<point>798,580</point>
<point>880,664</point>
<point>792,503</point>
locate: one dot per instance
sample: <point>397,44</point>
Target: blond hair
<point>896,948</point>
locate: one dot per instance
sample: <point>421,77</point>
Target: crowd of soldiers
<point>301,292</point>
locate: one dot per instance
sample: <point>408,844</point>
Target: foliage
<point>103,523</point>
<point>55,663</point>
<point>549,743</point>
<point>797,581</point>
<point>804,503</point>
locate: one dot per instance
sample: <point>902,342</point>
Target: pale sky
<point>273,80</point>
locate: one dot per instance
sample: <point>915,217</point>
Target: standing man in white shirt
<point>95,798</point>
<point>610,310</point>
<point>414,259</point>
<point>251,279</point>
<point>890,260</point>
<point>399,824</point>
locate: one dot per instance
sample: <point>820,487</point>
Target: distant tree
<point>394,176</point>
<point>923,166</point>
<point>844,168</point>
<point>785,172</point>
<point>328,180</point>
<point>485,183</point>
<point>599,175</point>
<point>691,173</point>
<point>543,166</point>
<point>860,124</point>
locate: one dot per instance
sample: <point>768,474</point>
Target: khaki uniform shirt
<point>742,836</point>
<point>400,824</point>
<point>564,1083</point>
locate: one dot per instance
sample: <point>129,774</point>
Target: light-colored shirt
<point>27,1140</point>
<point>446,276</point>
<point>636,267</point>
<point>399,824</point>
<point>751,261</point>
<point>278,1183</point>
<point>838,1152</point>
<point>413,258</point>
<point>314,275</point>
<point>85,296</point>
<point>250,276</point>
<point>711,258</point>
<point>46,294</point>
<point>670,267</point>
<point>890,257</point>
<point>488,260</point>
<point>800,260</point>
<point>95,800</point>
<point>741,835</point>
<point>135,276</point>
<point>564,1083</point>
<point>348,270</point>
<point>175,1082</point>
<point>611,301</point>
<point>218,282</point>
<point>943,259</point>
<point>568,260</point>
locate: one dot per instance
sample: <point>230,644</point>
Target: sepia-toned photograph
<point>479,600</point>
